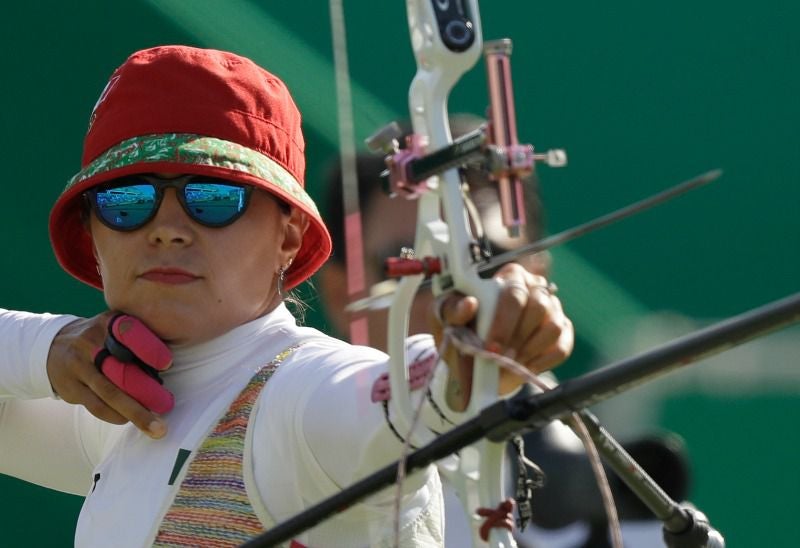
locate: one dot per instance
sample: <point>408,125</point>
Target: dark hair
<point>368,170</point>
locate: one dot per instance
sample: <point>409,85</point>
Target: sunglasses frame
<point>159,185</point>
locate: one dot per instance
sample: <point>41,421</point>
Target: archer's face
<point>191,283</point>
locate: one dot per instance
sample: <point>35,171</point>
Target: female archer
<point>190,214</point>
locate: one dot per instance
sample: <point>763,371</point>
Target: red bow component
<point>502,516</point>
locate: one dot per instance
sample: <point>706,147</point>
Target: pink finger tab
<point>132,380</point>
<point>134,335</point>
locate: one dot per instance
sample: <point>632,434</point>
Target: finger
<point>535,315</point>
<point>144,419</point>
<point>100,409</point>
<point>135,382</point>
<point>548,360</point>
<point>457,309</point>
<point>83,395</point>
<point>510,310</point>
<point>559,351</point>
<point>144,344</point>
<point>542,340</point>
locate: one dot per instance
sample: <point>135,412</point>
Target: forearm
<point>39,436</point>
<point>40,442</point>
<point>25,341</point>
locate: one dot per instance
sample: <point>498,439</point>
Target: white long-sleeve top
<point>313,431</point>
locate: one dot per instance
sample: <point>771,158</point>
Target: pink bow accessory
<point>418,373</point>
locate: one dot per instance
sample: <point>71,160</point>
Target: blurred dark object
<point>570,493</point>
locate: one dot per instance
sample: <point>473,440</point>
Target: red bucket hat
<point>194,111</point>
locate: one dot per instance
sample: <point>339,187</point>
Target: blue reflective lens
<point>214,204</point>
<point>128,205</point>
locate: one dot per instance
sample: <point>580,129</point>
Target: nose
<point>171,225</point>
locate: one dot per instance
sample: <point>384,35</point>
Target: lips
<point>168,275</point>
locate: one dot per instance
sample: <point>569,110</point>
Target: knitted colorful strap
<point>211,507</point>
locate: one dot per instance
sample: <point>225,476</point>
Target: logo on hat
<point>103,95</point>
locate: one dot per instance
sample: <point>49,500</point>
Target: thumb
<point>457,310</point>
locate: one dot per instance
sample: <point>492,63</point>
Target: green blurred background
<point>641,96</point>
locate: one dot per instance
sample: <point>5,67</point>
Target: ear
<point>293,232</point>
<point>95,254</point>
<point>332,286</point>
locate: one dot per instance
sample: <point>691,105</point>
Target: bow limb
<point>443,231</point>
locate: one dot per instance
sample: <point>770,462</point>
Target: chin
<point>172,324</point>
<point>168,328</point>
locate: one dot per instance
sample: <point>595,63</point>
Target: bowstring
<point>407,447</point>
<point>354,241</point>
<point>354,247</point>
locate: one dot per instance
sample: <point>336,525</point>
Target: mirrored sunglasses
<point>131,202</point>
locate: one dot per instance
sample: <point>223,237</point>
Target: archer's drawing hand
<point>529,326</point>
<point>75,378</point>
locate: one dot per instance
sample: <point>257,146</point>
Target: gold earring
<point>282,279</point>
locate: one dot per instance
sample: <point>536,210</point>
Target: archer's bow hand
<point>529,326</point>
